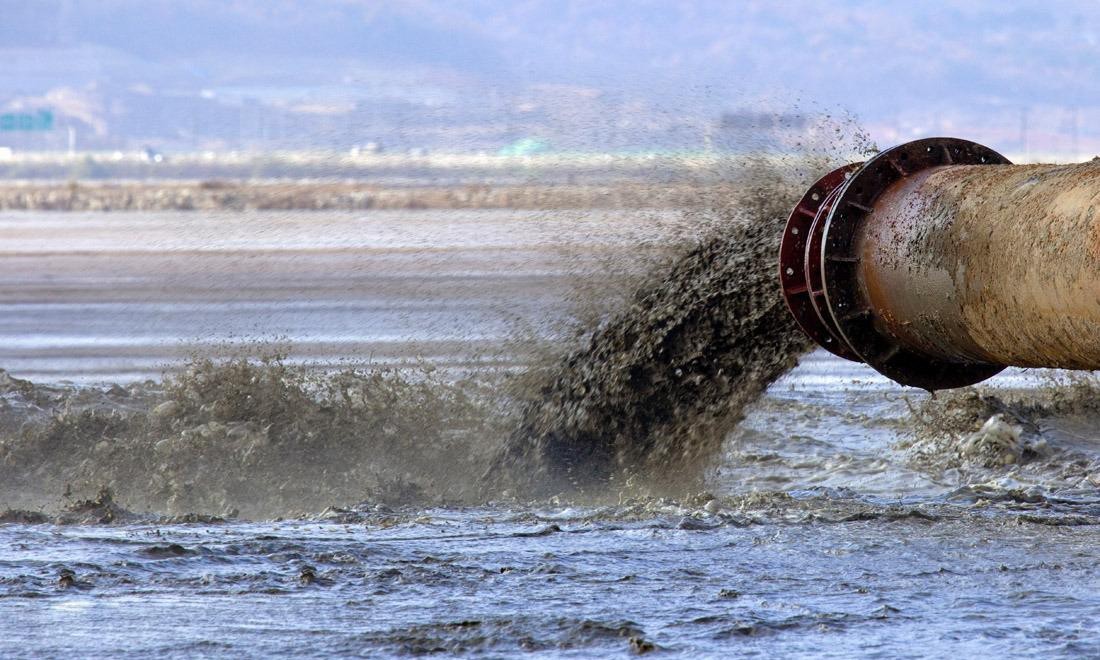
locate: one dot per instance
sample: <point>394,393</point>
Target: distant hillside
<point>461,68</point>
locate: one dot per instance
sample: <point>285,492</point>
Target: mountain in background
<point>568,75</point>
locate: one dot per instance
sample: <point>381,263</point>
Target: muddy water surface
<point>824,537</point>
<point>844,516</point>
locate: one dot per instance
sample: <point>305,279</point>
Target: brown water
<point>826,513</point>
<point>648,399</point>
<point>825,532</point>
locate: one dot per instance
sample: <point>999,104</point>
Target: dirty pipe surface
<point>996,264</point>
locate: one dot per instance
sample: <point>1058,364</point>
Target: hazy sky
<point>992,69</point>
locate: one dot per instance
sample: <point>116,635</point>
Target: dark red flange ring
<point>795,277</point>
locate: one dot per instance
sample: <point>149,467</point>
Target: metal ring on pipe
<point>840,262</point>
<point>797,275</point>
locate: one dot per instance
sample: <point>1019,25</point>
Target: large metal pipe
<point>938,263</point>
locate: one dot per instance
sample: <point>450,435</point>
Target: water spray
<point>939,263</point>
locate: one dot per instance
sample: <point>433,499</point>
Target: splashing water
<point>646,403</point>
<point>659,384</point>
<point>645,398</point>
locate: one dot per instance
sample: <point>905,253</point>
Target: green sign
<point>42,120</point>
<point>524,147</point>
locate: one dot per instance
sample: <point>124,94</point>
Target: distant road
<point>283,195</point>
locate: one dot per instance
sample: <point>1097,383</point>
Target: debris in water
<point>657,387</point>
<point>253,436</point>
<point>996,443</point>
<point>989,430</point>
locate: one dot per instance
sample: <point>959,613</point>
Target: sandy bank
<point>219,195</point>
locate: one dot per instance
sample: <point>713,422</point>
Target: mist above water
<point>646,389</point>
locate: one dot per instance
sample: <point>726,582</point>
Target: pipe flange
<point>839,262</point>
<point>797,267</point>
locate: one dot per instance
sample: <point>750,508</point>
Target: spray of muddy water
<point>657,386</point>
<point>255,437</point>
<point>645,403</point>
<point>1041,434</point>
<point>643,399</point>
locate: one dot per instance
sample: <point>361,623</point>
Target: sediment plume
<point>644,405</point>
<point>256,438</point>
<point>974,429</point>
<point>650,391</point>
<point>651,395</point>
<point>639,401</point>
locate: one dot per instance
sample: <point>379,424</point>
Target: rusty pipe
<point>939,263</point>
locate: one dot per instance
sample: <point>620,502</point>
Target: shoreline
<point>216,195</point>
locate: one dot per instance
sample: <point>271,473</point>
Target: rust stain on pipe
<point>997,264</point>
<point>942,264</point>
